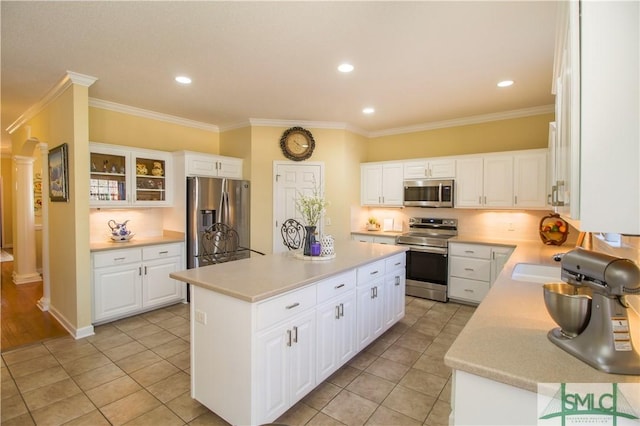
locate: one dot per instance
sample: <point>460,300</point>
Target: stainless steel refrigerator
<point>216,200</point>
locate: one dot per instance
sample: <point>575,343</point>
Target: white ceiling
<point>415,62</point>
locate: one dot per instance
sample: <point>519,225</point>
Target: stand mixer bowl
<point>569,306</point>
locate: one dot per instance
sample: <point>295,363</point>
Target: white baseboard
<point>77,333</point>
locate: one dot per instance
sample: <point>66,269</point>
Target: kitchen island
<point>266,330</point>
<point>503,353</point>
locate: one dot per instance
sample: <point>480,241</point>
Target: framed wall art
<point>59,173</point>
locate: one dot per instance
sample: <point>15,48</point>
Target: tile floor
<point>136,372</point>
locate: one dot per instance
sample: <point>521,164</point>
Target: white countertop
<point>261,277</point>
<point>167,237</point>
<point>506,338</point>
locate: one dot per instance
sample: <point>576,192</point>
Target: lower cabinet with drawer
<point>281,348</point>
<point>133,280</point>
<point>473,268</point>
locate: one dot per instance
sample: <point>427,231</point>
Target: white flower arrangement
<point>311,207</point>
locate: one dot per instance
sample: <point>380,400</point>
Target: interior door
<point>289,180</point>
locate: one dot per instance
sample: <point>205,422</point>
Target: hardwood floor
<point>22,322</point>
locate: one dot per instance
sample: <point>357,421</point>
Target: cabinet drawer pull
<point>163,252</point>
<point>140,270</point>
<point>468,269</point>
<point>294,305</point>
<point>398,264</point>
<point>119,259</point>
<point>468,290</point>
<point>373,273</point>
<point>337,311</point>
<point>341,310</point>
<point>145,270</point>
<point>469,251</point>
<point>339,286</point>
<point>397,280</point>
<point>295,334</point>
<point>288,337</point>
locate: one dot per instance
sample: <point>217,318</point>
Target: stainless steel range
<point>427,258</point>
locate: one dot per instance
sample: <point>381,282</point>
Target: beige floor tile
<point>63,411</point>
<point>445,338</point>
<point>426,383</point>
<point>92,418</point>
<point>434,365</point>
<point>179,309</point>
<point>99,376</point>
<point>321,419</point>
<point>156,417</point>
<point>75,352</point>
<point>131,323</point>
<point>208,419</point>
<point>33,365</point>
<point>103,332</point>
<point>22,420</point>
<point>415,309</point>
<point>349,408</point>
<point>427,327</point>
<point>41,378</point>
<point>409,320</point>
<point>171,348</point>
<point>153,373</point>
<point>445,395</point>
<point>401,354</point>
<point>143,331</point>
<point>186,407</point>
<point>157,315</point>
<point>87,363</point>
<point>384,416</point>
<point>382,343</point>
<point>113,391</point>
<point>24,354</point>
<point>172,322</point>
<point>389,370</point>
<point>299,414</point>
<point>409,402</point>
<point>181,360</point>
<point>8,389</point>
<point>439,415</point>
<point>113,341</point>
<point>63,344</point>
<point>371,387</point>
<point>181,331</point>
<point>138,361</point>
<point>156,339</point>
<point>124,351</point>
<point>321,395</point>
<point>452,328</point>
<point>437,350</point>
<point>414,340</point>
<point>344,376</point>
<point>171,387</point>
<point>12,407</point>
<point>46,395</point>
<point>362,360</point>
<point>130,407</point>
<point>423,302</point>
<point>4,373</point>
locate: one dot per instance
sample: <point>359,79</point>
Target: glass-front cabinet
<point>125,177</point>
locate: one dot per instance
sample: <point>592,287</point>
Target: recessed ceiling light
<point>345,68</point>
<point>505,83</point>
<point>368,110</point>
<point>183,79</point>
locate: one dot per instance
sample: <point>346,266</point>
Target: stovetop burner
<point>430,232</point>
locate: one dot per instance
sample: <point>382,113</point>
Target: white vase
<point>326,242</point>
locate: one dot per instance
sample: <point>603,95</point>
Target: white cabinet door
<point>381,184</point>
<point>394,292</point>
<point>370,309</point>
<point>529,180</point>
<point>302,357</point>
<point>201,164</point>
<point>415,169</point>
<point>336,334</point>
<point>371,184</point>
<point>469,177</point>
<point>117,291</point>
<point>392,189</point>
<point>346,330</point>
<point>230,167</point>
<point>439,169</point>
<point>158,288</point>
<point>499,257</point>
<point>153,177</point>
<point>498,181</point>
<point>362,238</point>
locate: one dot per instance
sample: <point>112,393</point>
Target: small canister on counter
<point>315,249</point>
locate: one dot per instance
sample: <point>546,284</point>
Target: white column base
<point>43,304</point>
<point>26,278</point>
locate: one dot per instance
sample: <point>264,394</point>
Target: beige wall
<point>123,129</point>
<point>6,171</point>
<point>502,135</point>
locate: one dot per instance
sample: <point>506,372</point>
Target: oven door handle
<point>434,250</point>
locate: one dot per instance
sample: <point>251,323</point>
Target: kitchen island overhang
<point>267,330</point>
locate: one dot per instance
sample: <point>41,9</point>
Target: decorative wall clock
<point>297,144</point>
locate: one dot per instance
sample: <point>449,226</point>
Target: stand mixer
<point>610,339</point>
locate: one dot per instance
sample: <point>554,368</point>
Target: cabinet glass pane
<point>150,179</point>
<point>108,177</point>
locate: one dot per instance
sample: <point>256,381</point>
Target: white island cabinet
<point>267,330</point>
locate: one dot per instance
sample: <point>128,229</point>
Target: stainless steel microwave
<point>428,193</point>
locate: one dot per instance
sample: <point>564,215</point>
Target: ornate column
<point>45,300</point>
<point>24,264</point>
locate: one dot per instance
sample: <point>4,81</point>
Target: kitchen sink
<point>535,273</point>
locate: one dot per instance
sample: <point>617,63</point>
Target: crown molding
<point>476,119</point>
<point>69,79</point>
<point>144,113</point>
<point>266,122</point>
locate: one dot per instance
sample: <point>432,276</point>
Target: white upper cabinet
<point>468,185</point>
<point>529,180</point>
<point>381,184</point>
<point>200,164</point>
<point>122,177</point>
<point>430,169</point>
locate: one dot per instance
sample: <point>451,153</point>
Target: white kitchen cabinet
<point>201,164</point>
<point>133,280</point>
<point>469,179</point>
<point>530,180</point>
<point>430,169</point>
<point>381,184</point>
<point>122,177</point>
<point>380,239</point>
<point>473,268</point>
<point>285,355</point>
<point>395,280</point>
<point>371,303</point>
